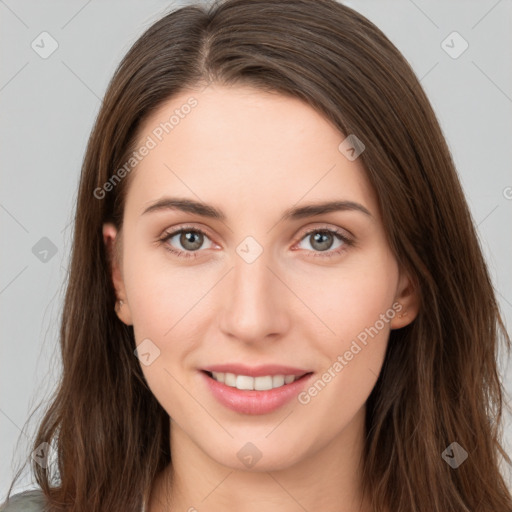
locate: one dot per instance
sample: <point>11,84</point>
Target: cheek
<point>164,302</point>
<point>162,294</point>
<point>352,297</point>
<point>348,376</point>
<point>355,307</point>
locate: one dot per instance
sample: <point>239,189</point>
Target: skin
<point>254,154</point>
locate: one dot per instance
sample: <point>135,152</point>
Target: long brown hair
<point>439,383</point>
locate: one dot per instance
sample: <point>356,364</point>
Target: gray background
<point>49,104</point>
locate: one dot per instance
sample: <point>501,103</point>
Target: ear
<point>112,242</point>
<point>408,299</point>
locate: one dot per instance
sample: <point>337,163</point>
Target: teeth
<point>258,383</point>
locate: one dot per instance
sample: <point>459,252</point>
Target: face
<point>242,284</point>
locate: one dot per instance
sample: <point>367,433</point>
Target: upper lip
<point>255,371</point>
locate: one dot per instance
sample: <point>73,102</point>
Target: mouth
<point>249,383</point>
<point>252,395</point>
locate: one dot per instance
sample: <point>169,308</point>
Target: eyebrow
<point>293,213</point>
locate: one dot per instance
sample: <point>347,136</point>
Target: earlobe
<point>407,300</point>
<point>113,250</point>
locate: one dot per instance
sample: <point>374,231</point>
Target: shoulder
<point>27,501</point>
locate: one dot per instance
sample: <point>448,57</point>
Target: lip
<point>252,401</point>
<point>255,371</point>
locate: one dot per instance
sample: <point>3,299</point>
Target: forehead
<point>246,148</point>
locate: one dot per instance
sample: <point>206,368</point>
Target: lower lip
<point>252,401</point>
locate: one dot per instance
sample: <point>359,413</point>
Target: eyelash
<point>348,242</point>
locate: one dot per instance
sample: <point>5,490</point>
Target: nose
<point>255,304</point>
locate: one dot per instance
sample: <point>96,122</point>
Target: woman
<point>277,300</point>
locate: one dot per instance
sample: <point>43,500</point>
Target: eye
<point>190,239</point>
<point>322,239</point>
